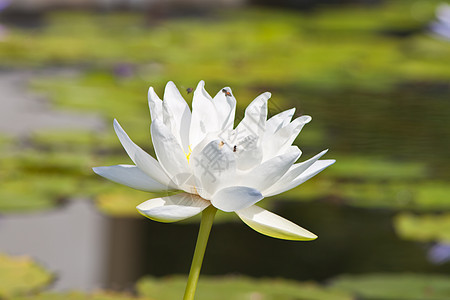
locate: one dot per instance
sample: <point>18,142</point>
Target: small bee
<point>234,148</point>
<point>189,90</point>
<point>227,93</point>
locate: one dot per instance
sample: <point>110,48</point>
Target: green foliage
<point>328,49</point>
<point>121,202</point>
<point>395,286</point>
<point>20,276</point>
<point>423,228</point>
<point>234,288</point>
<point>99,295</point>
<point>366,168</point>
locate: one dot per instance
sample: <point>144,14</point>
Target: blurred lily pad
<point>65,140</point>
<point>237,288</point>
<point>119,202</point>
<point>423,228</point>
<point>395,286</point>
<point>20,275</point>
<point>391,194</point>
<point>101,295</point>
<point>362,168</point>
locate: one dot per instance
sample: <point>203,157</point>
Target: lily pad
<point>395,286</point>
<point>65,140</point>
<point>100,295</point>
<point>362,168</point>
<point>122,203</point>
<point>234,288</point>
<point>424,228</point>
<point>21,275</point>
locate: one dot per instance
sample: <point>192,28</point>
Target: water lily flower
<point>214,165</point>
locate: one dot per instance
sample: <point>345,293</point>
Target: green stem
<point>202,239</point>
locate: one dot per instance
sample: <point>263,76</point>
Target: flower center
<point>188,155</point>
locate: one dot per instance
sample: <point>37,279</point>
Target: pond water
<point>87,250</point>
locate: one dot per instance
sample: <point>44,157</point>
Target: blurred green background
<point>374,75</point>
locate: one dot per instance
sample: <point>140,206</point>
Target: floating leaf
<point>21,275</point>
<point>122,203</point>
<point>236,288</point>
<point>424,228</point>
<point>101,295</point>
<point>395,286</point>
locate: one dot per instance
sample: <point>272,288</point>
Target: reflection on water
<point>71,242</point>
<point>87,250</point>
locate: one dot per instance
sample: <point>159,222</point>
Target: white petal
<point>173,208</point>
<point>293,129</point>
<point>155,104</point>
<point>254,121</point>
<point>225,105</point>
<point>235,198</point>
<point>279,120</point>
<point>142,159</point>
<point>130,176</point>
<point>249,152</point>
<point>177,115</point>
<point>269,172</point>
<point>283,138</point>
<point>214,167</point>
<point>316,168</point>
<point>204,115</point>
<point>265,222</point>
<point>170,155</point>
<point>293,173</point>
<point>247,136</point>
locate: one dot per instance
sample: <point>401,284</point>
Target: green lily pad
<point>424,228</point>
<point>234,288</point>
<point>121,202</point>
<point>21,275</point>
<point>66,140</point>
<point>100,295</point>
<point>395,286</point>
<point>374,168</point>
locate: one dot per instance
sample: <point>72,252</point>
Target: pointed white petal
<point>155,104</point>
<point>293,129</point>
<point>142,159</point>
<point>173,208</point>
<point>279,120</point>
<point>177,115</point>
<point>204,115</point>
<point>130,176</point>
<point>254,121</point>
<point>225,105</point>
<point>268,223</point>
<point>283,138</point>
<point>235,198</point>
<point>316,168</point>
<point>247,135</point>
<point>214,167</point>
<point>292,173</point>
<point>269,172</point>
<point>170,155</point>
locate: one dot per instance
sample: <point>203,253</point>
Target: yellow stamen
<point>188,155</point>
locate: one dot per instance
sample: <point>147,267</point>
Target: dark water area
<point>409,122</point>
<point>351,241</point>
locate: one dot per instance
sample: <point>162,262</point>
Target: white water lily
<point>201,154</point>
